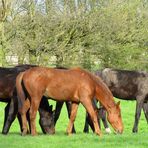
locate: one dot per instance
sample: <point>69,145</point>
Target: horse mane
<point>96,79</point>
<point>99,81</point>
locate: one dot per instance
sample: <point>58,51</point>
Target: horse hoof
<point>23,134</point>
<point>135,130</point>
<point>34,134</point>
<point>86,132</point>
<point>4,132</point>
<point>69,134</point>
<point>99,134</point>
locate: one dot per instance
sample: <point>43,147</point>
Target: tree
<point>4,12</point>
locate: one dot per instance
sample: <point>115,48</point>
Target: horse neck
<point>103,94</point>
<point>105,97</point>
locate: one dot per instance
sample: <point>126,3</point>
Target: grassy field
<point>79,140</point>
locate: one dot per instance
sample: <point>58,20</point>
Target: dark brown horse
<point>128,85</point>
<point>8,95</point>
<point>75,85</point>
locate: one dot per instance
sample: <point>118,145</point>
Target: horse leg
<point>139,105</point>
<point>88,118</point>
<point>23,116</point>
<point>145,109</point>
<point>10,112</point>
<point>6,115</point>
<point>35,102</point>
<point>74,108</point>
<point>57,112</point>
<point>68,105</point>
<point>104,120</point>
<point>102,114</point>
<point>88,105</point>
<point>20,121</point>
<point>86,126</point>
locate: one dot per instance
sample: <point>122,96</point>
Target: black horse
<point>8,95</point>
<point>128,85</point>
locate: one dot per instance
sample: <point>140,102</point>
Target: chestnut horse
<point>101,114</point>
<point>75,85</point>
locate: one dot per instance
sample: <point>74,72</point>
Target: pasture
<point>80,139</point>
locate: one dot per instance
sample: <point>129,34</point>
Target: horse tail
<point>20,91</point>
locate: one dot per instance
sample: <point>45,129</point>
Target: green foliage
<point>90,34</point>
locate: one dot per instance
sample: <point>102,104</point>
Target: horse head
<point>114,117</point>
<point>47,120</point>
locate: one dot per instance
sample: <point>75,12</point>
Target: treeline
<point>87,33</point>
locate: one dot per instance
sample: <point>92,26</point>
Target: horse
<point>8,95</point>
<point>101,114</point>
<point>128,85</point>
<point>75,85</point>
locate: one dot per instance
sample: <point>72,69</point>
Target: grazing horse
<point>75,85</point>
<point>128,85</point>
<point>8,95</point>
<point>101,114</point>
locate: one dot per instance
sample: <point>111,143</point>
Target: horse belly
<point>126,94</point>
<point>59,94</point>
<point>5,93</point>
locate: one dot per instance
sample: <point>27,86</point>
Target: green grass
<point>61,140</point>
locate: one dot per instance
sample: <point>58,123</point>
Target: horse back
<point>8,78</point>
<point>57,83</point>
<point>125,84</point>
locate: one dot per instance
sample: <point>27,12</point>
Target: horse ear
<point>118,103</point>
